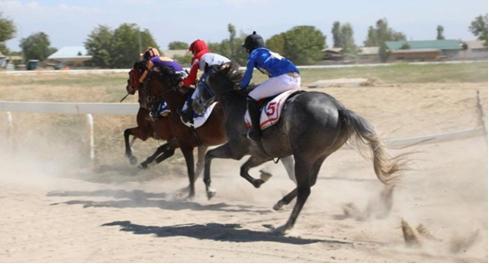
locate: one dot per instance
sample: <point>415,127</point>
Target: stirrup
<point>187,123</point>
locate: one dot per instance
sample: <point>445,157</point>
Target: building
<point>368,54</point>
<point>474,50</point>
<point>424,49</point>
<point>333,54</point>
<point>70,56</point>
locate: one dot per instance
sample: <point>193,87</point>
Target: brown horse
<point>161,85</point>
<point>155,128</point>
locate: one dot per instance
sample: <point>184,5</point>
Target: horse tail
<point>386,168</point>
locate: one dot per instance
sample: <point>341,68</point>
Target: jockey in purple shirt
<point>153,59</point>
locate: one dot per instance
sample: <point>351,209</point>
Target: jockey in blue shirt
<point>283,76</point>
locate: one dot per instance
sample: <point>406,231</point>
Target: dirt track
<point>50,212</point>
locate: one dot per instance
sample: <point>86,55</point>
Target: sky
<point>69,22</point>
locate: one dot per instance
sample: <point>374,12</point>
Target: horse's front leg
<point>252,162</point>
<point>130,131</point>
<point>189,160</point>
<point>223,152</point>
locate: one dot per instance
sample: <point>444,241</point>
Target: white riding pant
<point>276,85</point>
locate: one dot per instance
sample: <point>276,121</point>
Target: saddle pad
<point>201,119</point>
<point>270,114</point>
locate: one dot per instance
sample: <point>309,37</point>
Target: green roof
<point>445,44</point>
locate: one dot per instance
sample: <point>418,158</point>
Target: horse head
<point>134,76</point>
<point>221,80</point>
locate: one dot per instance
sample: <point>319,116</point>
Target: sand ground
<point>54,209</point>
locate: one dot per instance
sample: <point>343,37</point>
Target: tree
<point>276,43</point>
<point>301,44</point>
<point>439,32</point>
<point>128,42</point>
<point>177,45</point>
<point>99,46</point>
<point>381,33</point>
<point>36,46</point>
<point>7,31</point>
<point>346,39</point>
<point>378,35</point>
<point>336,31</point>
<point>304,44</point>
<point>231,47</point>
<point>478,27</point>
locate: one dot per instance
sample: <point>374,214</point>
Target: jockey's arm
<point>149,66</point>
<point>248,73</point>
<point>192,76</point>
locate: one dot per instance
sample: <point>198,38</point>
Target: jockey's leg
<point>254,110</point>
<point>187,114</point>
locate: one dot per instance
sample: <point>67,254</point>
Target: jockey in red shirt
<point>202,59</point>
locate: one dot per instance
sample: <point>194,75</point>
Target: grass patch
<point>406,73</point>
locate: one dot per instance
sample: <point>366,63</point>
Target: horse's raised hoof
<point>133,160</point>
<point>210,193</point>
<point>265,176</point>
<point>278,205</point>
<point>258,182</point>
<point>143,166</point>
<point>281,230</point>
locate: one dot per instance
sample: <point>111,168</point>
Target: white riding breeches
<point>276,85</point>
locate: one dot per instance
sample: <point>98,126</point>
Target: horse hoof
<point>142,166</point>
<point>258,182</point>
<point>210,194</point>
<point>278,206</point>
<point>133,160</point>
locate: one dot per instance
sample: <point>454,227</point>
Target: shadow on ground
<point>141,199</point>
<point>215,231</point>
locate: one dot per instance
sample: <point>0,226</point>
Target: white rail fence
<point>131,109</point>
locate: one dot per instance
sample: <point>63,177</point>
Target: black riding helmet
<point>253,41</point>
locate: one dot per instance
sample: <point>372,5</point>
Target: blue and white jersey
<point>268,62</point>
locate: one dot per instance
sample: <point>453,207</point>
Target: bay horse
<point>161,85</point>
<point>159,128</point>
<point>312,126</point>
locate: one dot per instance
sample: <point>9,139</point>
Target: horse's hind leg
<point>285,200</point>
<point>252,162</point>
<point>303,171</point>
<point>290,196</point>
<point>167,151</point>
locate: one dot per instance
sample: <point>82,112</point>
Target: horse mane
<point>232,72</point>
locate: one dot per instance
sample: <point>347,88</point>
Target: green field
<point>396,73</point>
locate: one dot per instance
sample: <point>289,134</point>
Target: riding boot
<point>254,132</point>
<point>187,113</point>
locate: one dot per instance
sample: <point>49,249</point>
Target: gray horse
<point>313,125</point>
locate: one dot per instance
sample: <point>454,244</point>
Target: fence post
<point>92,138</point>
<point>10,131</point>
<point>480,112</point>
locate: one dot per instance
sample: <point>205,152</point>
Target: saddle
<point>271,109</point>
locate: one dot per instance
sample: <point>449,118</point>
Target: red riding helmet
<point>198,46</point>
